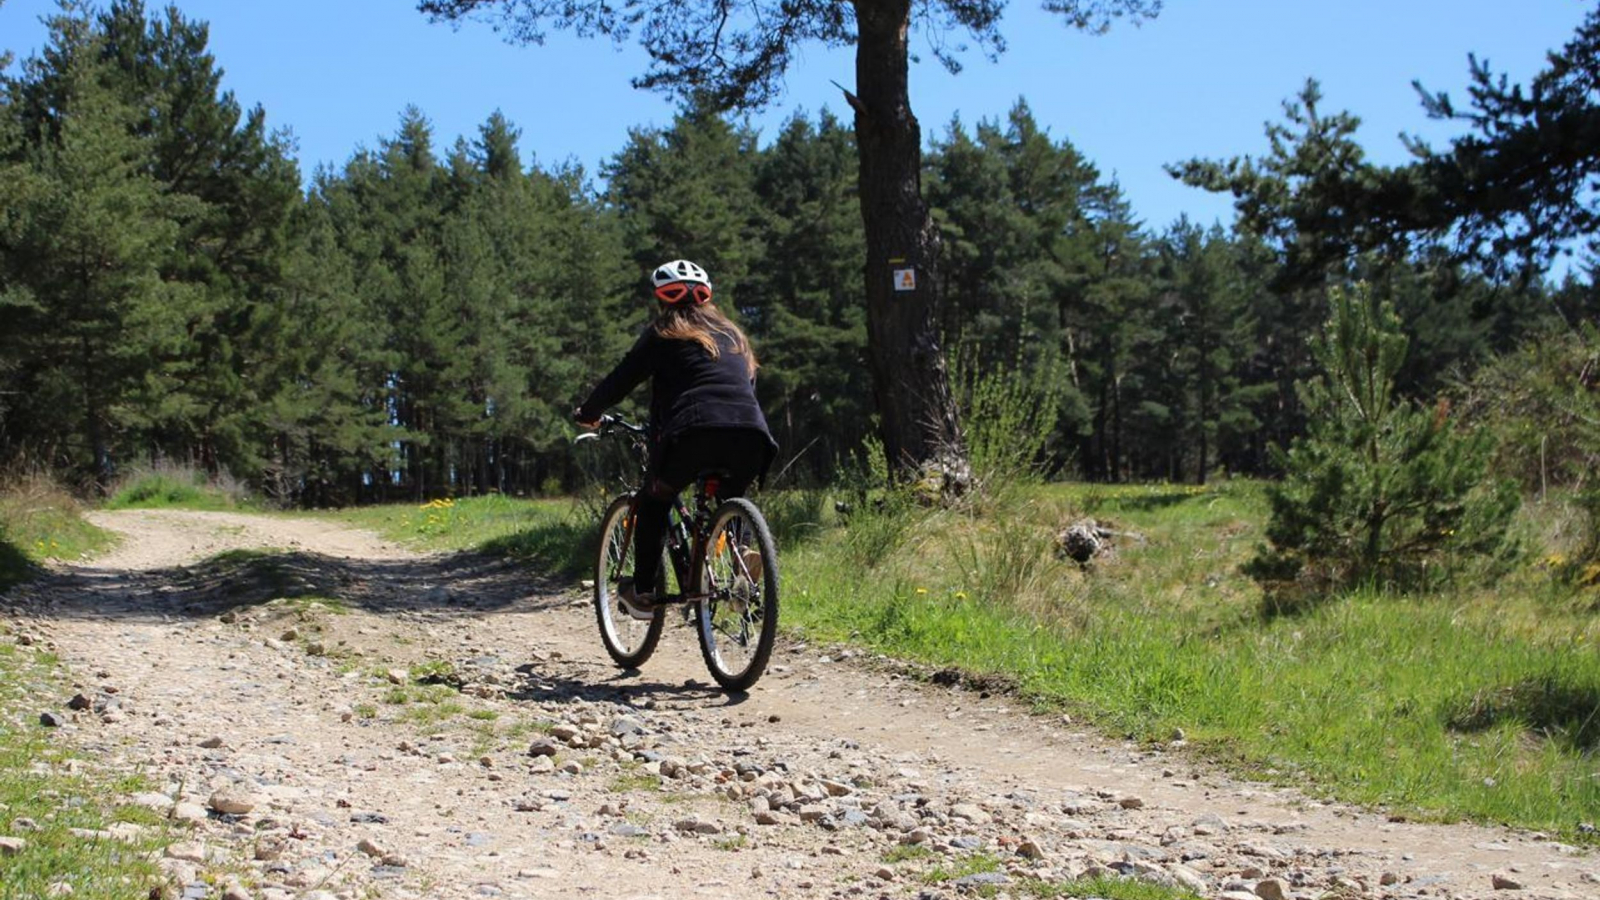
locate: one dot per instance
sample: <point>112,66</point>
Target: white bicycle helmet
<point>679,270</point>
<point>681,280</point>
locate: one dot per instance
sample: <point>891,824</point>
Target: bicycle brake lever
<point>587,436</point>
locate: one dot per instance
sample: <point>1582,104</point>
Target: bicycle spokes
<point>738,605</point>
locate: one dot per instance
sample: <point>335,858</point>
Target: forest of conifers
<point>421,321</point>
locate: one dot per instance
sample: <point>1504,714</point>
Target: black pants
<point>738,454</point>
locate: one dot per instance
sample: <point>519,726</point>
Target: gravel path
<point>294,738</point>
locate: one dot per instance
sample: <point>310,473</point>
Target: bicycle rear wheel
<point>737,618</point>
<point>630,641</point>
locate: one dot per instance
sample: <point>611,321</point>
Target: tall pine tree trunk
<point>912,387</point>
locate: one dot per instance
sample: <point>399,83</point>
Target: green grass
<point>903,852</point>
<point>551,534</point>
<point>175,487</point>
<point>1474,703</point>
<point>634,781</point>
<point>40,521</point>
<point>950,870</point>
<point>1102,889</point>
<point>35,784</point>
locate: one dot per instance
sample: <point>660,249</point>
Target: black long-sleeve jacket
<point>688,388</point>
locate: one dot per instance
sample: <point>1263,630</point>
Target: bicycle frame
<point>685,537</point>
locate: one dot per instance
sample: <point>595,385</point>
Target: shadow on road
<point>242,579</point>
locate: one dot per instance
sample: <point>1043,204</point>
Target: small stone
<point>1190,879</point>
<point>51,720</point>
<point>542,747</point>
<point>231,801</point>
<point>187,852</point>
<point>542,765</point>
<point>397,676</point>
<point>193,813</point>
<point>885,873</point>
<point>235,891</point>
<point>837,788</point>
<point>1504,882</point>
<point>971,812</point>
<point>80,702</point>
<point>269,849</point>
<point>395,860</point>
<point>1388,878</point>
<point>11,846</point>
<point>1030,850</point>
<point>1271,889</point>
<point>212,743</point>
<point>59,889</point>
<point>1131,803</point>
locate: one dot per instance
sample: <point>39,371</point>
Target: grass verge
<point>62,809</point>
<point>554,535</point>
<point>1469,703</point>
<point>40,521</point>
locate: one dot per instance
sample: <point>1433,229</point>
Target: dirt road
<point>294,738</point>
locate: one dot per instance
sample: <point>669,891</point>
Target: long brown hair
<point>701,324</point>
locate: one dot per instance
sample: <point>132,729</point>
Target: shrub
<point>1542,403</point>
<point>1009,415</point>
<point>1380,490</point>
<point>166,485</point>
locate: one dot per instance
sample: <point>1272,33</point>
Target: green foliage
<point>1010,415</point>
<point>41,521</point>
<point>1104,889</point>
<point>1380,490</point>
<point>418,323</point>
<point>173,487</point>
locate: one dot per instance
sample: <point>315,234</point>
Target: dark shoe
<point>640,606</point>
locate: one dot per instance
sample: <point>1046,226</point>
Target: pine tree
<point>1380,490</point>
<point>805,305</point>
<point>1202,312</point>
<point>91,229</point>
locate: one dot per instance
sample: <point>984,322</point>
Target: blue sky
<point>1200,80</point>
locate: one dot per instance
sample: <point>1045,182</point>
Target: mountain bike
<point>723,574</point>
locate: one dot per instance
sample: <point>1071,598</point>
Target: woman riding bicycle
<point>703,412</point>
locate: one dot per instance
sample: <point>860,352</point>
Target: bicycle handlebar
<point>609,424</point>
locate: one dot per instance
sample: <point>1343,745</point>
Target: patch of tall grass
<point>40,520</point>
<point>166,485</point>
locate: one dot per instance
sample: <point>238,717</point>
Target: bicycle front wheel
<point>737,616</point>
<point>630,641</point>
